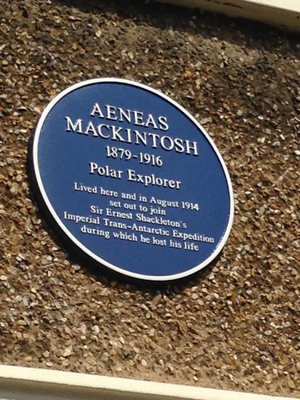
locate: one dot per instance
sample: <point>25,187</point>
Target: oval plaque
<point>132,179</point>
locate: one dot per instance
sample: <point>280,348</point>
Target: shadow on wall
<point>193,21</point>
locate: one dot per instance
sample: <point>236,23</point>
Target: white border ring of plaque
<point>132,179</point>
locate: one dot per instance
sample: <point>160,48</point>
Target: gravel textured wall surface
<point>235,325</point>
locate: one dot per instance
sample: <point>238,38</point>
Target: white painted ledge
<point>283,13</point>
<point>17,383</point>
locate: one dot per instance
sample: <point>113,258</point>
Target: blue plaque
<point>132,179</point>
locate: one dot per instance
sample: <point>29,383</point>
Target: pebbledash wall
<point>283,13</point>
<point>18,383</point>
